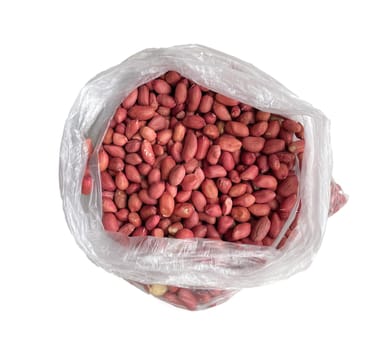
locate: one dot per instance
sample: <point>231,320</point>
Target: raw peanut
<point>285,157</point>
<point>234,176</point>
<point>189,182</point>
<point>226,204</point>
<point>213,210</point>
<point>206,218</point>
<point>272,130</point>
<point>120,198</point>
<point>152,222</point>
<point>210,118</point>
<point>139,232</point>
<point>161,86</point>
<point>183,196</point>
<point>141,112</point>
<point>144,169</point>
<point>209,188</point>
<point>164,224</point>
<point>146,198</point>
<point>115,151</point>
<point>157,290</point>
<point>267,241</point>
<point>227,161</point>
<point>229,143</point>
<point>153,101</point>
<point>166,165</point>
<point>211,131</point>
<point>132,146</point>
<point>286,136</point>
<point>240,231</point>
<point>276,225</point>
<point>296,146</point>
<point>143,96</point>
<point>260,229</point>
<point>300,134</point>
<point>186,296</point>
<point>221,111</point>
<point>282,172</point>
<point>116,164</point>
<point>206,103</point>
<point>121,181</point>
<point>103,160</point>
<point>262,164</point>
<point>194,122</point>
<point>120,129</point>
<point>212,232</point>
<point>273,146</point>
<point>213,154</point>
<point>122,214</point>
<point>246,200</point>
<point>134,219</point>
<point>147,133</point>
<point>134,203</point>
<point>119,139</point>
<point>174,228</point>
<point>264,196</point>
<point>132,173</point>
<point>249,173</point>
<point>203,144</point>
<point>224,224</point>
<point>224,185</point>
<point>240,214</point>
<point>192,221</point>
<point>108,136</point>
<point>133,159</point>
<point>158,123</point>
<point>132,188</point>
<point>258,129</point>
<point>164,136</point>
<point>172,77</point>
<point>156,190</point>
<point>154,176</point>
<point>273,204</point>
<point>288,203</point>
<point>253,143</point>
<point>110,222</point>
<point>274,162</point>
<point>265,181</point>
<point>112,123</point>
<point>130,100</point>
<point>247,158</point>
<point>166,101</point>
<point>238,190</point>
<point>190,146</point>
<point>179,131</point>
<point>166,205</point>
<point>194,98</point>
<point>262,116</point>
<point>181,92</point>
<point>288,186</point>
<point>247,118</point>
<point>236,129</point>
<point>132,127</point>
<point>214,171</point>
<point>147,152</point>
<point>184,233</point>
<point>191,165</point>
<point>291,126</point>
<point>227,101</point>
<point>198,200</point>
<point>147,210</point>
<point>107,194</point>
<point>184,210</point>
<point>157,232</point>
<point>235,111</point>
<point>177,175</point>
<point>200,231</point>
<point>260,209</point>
<point>107,182</point>
<point>127,229</point>
<point>200,176</point>
<point>86,184</point>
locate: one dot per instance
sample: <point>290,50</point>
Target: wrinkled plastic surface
<point>197,263</point>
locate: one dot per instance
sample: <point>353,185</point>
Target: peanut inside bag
<point>189,183</point>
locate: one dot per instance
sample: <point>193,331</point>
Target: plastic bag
<point>216,267</point>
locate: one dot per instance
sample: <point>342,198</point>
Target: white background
<point>52,297</point>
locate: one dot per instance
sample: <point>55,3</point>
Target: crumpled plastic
<point>196,263</point>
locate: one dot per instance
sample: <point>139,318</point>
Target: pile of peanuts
<point>179,160</point>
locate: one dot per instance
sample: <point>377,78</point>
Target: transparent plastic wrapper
<point>213,270</point>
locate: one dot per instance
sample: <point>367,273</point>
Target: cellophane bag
<point>212,270</point>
